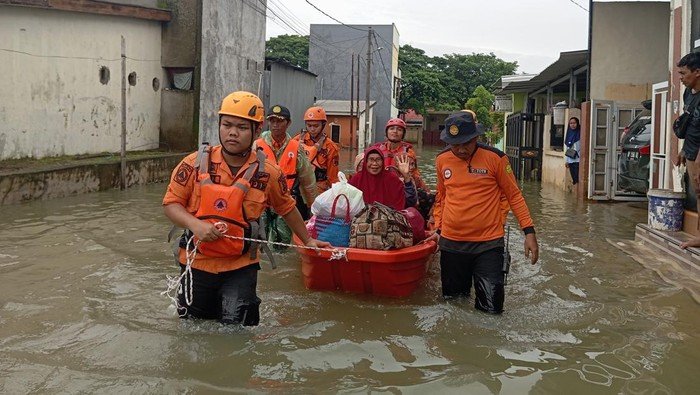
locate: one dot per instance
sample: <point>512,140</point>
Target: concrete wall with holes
<point>628,47</point>
<point>53,100</point>
<point>330,55</point>
<point>232,57</point>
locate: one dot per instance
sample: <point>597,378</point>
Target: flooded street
<point>81,311</point>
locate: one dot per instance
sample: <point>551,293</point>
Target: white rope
<point>175,284</point>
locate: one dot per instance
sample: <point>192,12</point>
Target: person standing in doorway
<point>689,70</point>
<point>469,221</point>
<point>573,148</point>
<point>321,151</point>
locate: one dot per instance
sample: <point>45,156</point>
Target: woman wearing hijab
<point>573,145</point>
<point>384,186</point>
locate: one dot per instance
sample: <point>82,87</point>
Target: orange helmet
<point>243,105</point>
<point>315,114</point>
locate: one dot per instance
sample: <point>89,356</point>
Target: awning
<point>567,61</point>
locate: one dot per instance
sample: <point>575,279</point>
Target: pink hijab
<point>385,187</point>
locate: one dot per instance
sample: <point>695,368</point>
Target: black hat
<point>460,127</point>
<point>280,112</point>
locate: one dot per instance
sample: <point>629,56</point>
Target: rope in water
<point>175,284</point>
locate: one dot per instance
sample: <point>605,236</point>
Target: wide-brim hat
<point>279,112</point>
<point>460,127</point>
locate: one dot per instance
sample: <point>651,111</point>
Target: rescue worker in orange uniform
<point>321,151</point>
<point>289,155</point>
<point>219,193</point>
<point>469,221</point>
<point>395,131</point>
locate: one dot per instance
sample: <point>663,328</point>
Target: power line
<point>339,86</point>
<point>326,14</point>
<point>75,57</point>
<point>388,78</point>
<point>579,5</point>
<point>290,17</point>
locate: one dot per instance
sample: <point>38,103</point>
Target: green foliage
<point>497,126</point>
<point>292,48</point>
<point>445,82</point>
<point>481,103</point>
<point>428,82</point>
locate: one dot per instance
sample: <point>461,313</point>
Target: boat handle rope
<point>175,283</point>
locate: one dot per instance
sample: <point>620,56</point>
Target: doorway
<point>335,133</point>
<point>608,122</point>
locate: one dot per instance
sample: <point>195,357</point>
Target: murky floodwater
<point>80,311</point>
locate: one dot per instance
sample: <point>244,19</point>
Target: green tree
<point>292,48</point>
<point>481,103</point>
<point>446,82</point>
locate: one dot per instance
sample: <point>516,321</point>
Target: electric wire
<point>333,18</point>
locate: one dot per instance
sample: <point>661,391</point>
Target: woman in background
<point>573,148</point>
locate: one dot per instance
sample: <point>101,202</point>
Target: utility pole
<point>352,102</point>
<point>369,63</point>
<point>123,136</point>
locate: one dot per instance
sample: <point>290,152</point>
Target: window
<point>335,133</point>
<point>180,78</point>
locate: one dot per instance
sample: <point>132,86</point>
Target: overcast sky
<point>531,32</point>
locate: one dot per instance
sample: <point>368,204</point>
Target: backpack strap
<point>201,162</point>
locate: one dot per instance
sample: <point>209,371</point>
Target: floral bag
<point>378,227</point>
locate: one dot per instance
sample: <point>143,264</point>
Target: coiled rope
<point>177,285</point>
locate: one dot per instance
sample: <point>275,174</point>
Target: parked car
<point>633,165</point>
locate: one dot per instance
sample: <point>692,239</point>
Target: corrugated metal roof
<point>340,107</point>
<point>563,66</point>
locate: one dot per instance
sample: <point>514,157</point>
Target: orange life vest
<point>221,203</point>
<point>288,160</point>
<point>389,154</point>
<point>312,152</point>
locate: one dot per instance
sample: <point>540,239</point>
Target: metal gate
<point>608,121</point>
<point>524,133</point>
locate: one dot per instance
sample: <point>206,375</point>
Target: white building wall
<point>51,99</point>
<point>628,46</point>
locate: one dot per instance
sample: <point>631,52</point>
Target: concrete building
<point>414,127</point>
<point>61,67</point>
<point>623,72</point>
<point>340,121</point>
<point>330,57</point>
<point>210,49</point>
<point>62,62</point>
<point>290,86</point>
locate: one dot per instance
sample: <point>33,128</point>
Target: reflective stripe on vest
<point>288,160</point>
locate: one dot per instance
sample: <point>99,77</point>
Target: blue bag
<point>332,229</point>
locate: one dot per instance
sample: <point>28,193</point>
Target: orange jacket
<point>468,204</point>
<point>288,159</point>
<point>403,148</point>
<point>325,158</point>
<point>268,188</point>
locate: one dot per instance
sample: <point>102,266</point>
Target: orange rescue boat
<point>393,273</point>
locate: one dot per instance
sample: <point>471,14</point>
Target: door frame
<point>659,166</point>
<point>604,149</point>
